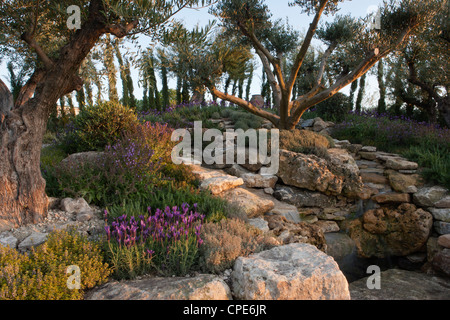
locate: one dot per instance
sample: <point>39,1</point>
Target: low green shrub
<point>49,137</point>
<point>51,156</point>
<point>98,126</point>
<point>435,161</point>
<point>245,120</point>
<point>41,275</point>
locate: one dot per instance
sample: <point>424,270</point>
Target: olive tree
<point>363,44</point>
<point>40,29</point>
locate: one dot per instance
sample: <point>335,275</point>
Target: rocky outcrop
<point>384,232</point>
<point>292,272</point>
<point>402,285</point>
<point>308,172</point>
<point>342,164</point>
<point>303,198</point>
<point>290,232</point>
<point>202,287</point>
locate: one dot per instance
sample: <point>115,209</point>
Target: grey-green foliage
<point>245,120</point>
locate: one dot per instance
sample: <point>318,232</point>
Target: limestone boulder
<point>308,172</point>
<point>429,196</point>
<point>369,149</point>
<point>319,125</point>
<point>442,227</point>
<point>440,214</point>
<point>368,155</point>
<point>443,203</point>
<point>403,183</point>
<point>33,240</point>
<point>250,202</point>
<point>373,177</point>
<point>221,183</point>
<point>250,160</point>
<point>201,287</point>
<point>7,239</point>
<point>202,173</point>
<point>253,180</point>
<point>342,164</point>
<point>327,226</point>
<point>303,198</point>
<point>293,272</point>
<point>402,285</point>
<point>400,164</point>
<point>75,205</point>
<point>237,171</point>
<point>385,232</point>
<point>260,224</point>
<point>307,123</point>
<point>76,159</point>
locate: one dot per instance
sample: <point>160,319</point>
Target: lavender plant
<point>425,143</point>
<point>166,242</point>
<point>130,169</point>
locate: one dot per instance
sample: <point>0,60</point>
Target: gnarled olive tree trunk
<point>22,188</point>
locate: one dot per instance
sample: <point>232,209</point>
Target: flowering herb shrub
<point>129,169</point>
<point>41,275</point>
<point>390,132</point>
<point>425,143</point>
<point>166,241</point>
<point>227,240</point>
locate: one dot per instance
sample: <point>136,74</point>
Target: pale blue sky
<point>279,9</point>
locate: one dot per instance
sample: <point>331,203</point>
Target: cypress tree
<point>359,98</point>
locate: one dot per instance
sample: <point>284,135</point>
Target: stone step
<point>372,170</point>
<point>254,203</point>
<point>364,164</point>
<point>374,178</point>
<point>221,184</point>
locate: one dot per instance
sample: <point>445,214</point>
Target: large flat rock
<point>252,202</point>
<point>202,287</point>
<point>403,285</point>
<point>221,183</point>
<point>296,271</point>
